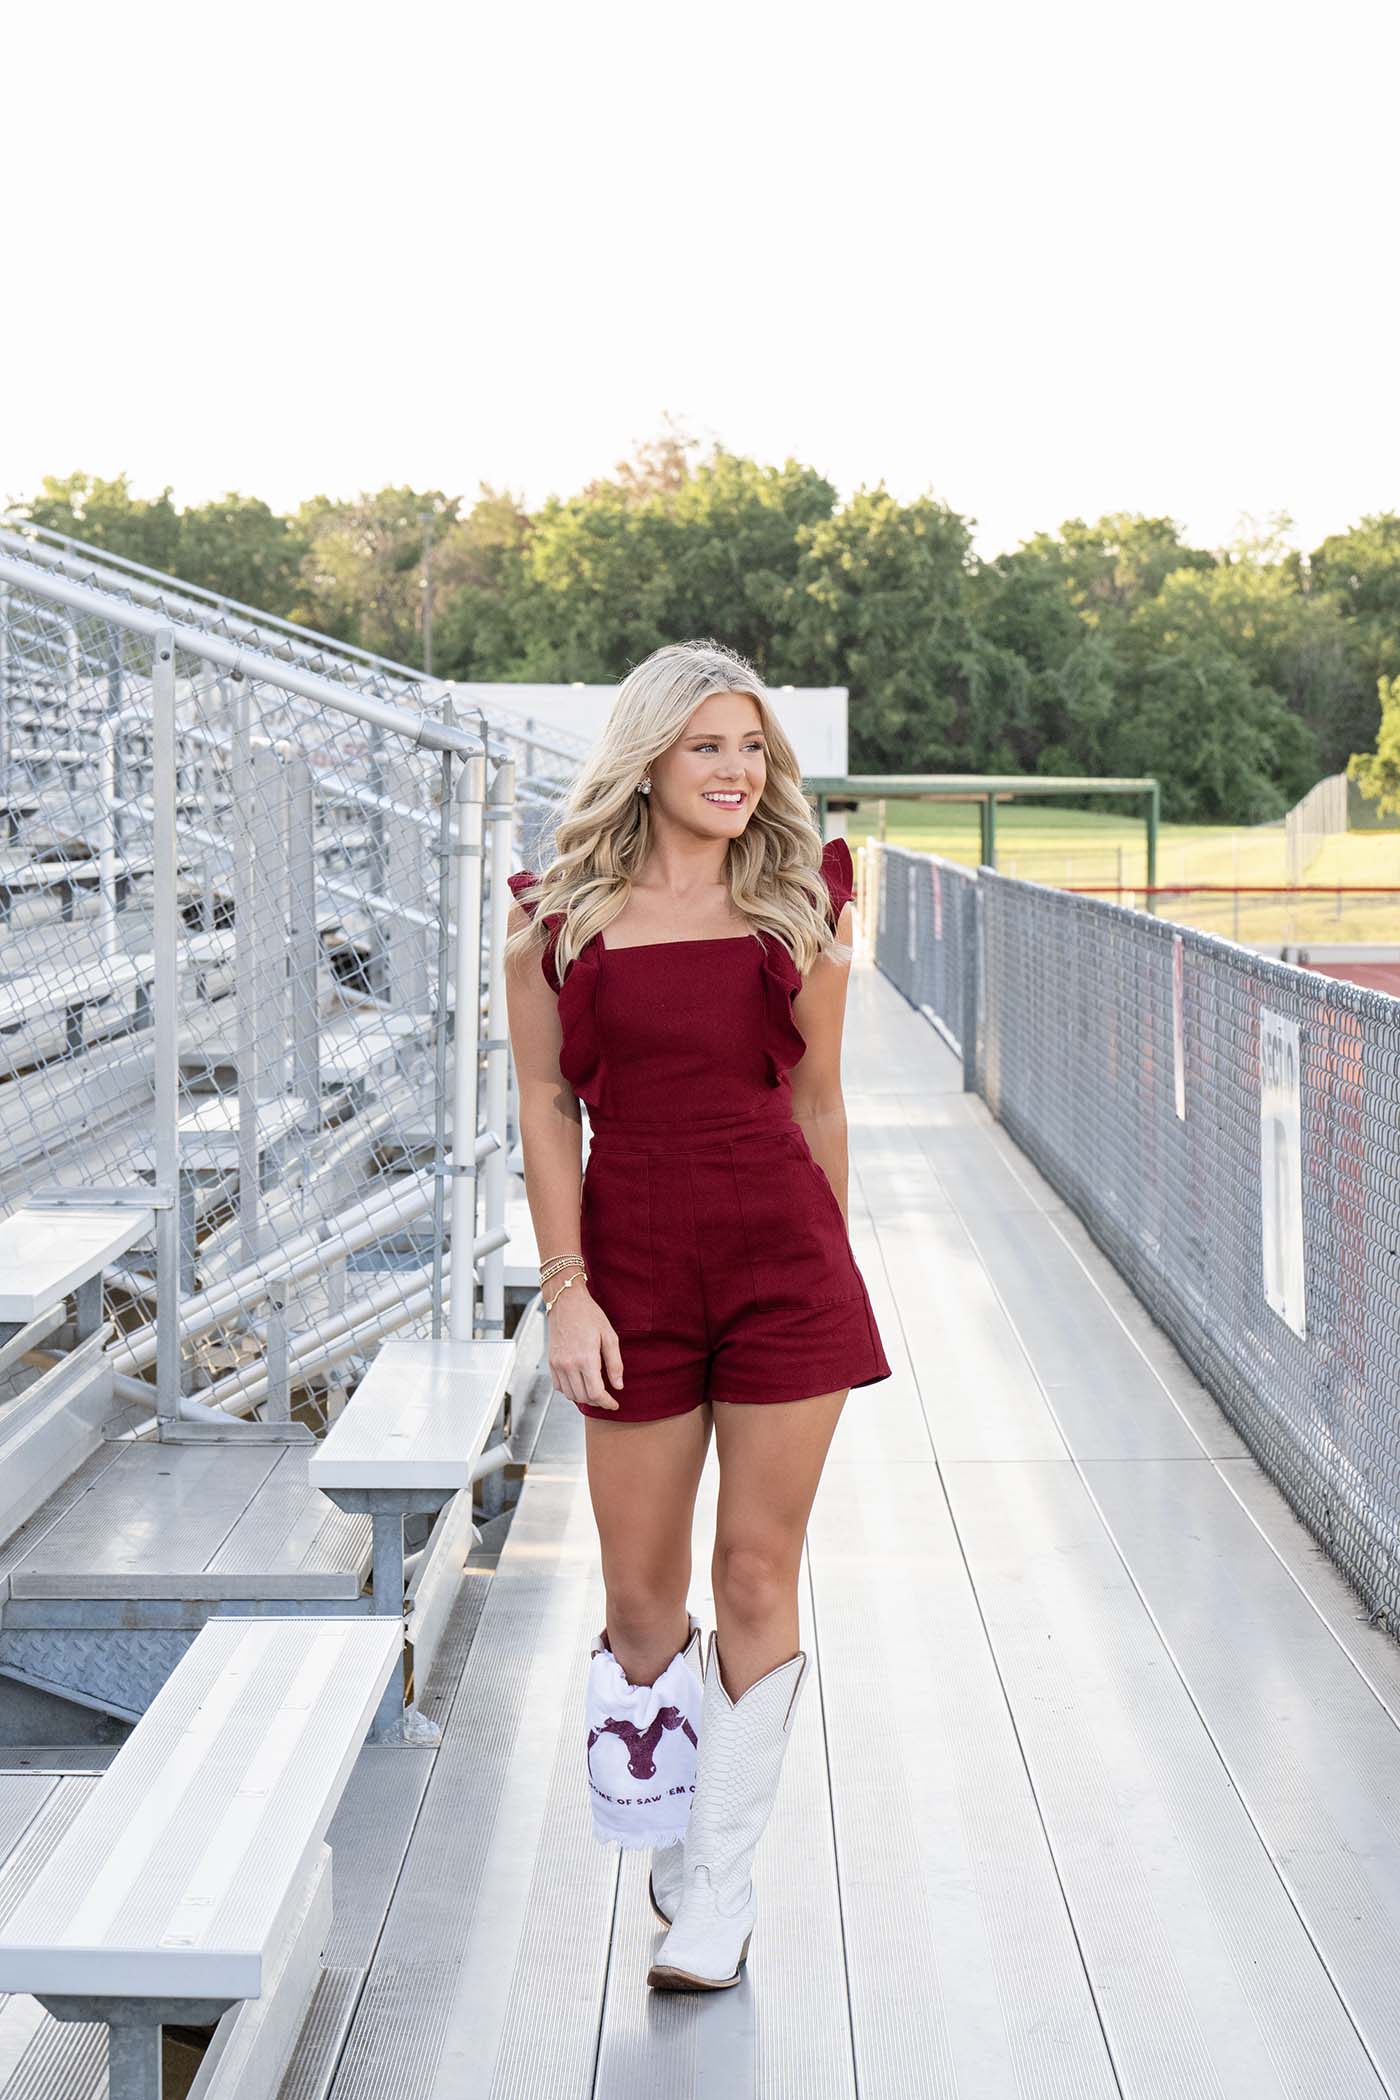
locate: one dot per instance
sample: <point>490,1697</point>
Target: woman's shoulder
<point>526,879</point>
<point>838,869</point>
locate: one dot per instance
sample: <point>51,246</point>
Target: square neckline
<point>703,940</point>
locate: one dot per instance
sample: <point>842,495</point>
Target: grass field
<point>1042,843</point>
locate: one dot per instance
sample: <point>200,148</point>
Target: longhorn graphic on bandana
<point>641,1743</point>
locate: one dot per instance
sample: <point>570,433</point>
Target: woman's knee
<point>754,1577</point>
<point>643,1605</point>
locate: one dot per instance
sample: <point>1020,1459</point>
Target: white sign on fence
<point>1281,1167</point>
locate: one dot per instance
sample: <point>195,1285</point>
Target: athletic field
<point>1073,849</point>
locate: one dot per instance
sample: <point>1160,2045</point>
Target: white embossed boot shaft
<point>742,1743</point>
<point>667,1861</point>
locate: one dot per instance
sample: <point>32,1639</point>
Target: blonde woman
<point>681,969</point>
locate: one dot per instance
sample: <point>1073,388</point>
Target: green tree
<point>107,515</point>
<point>659,552</point>
<point>1253,607</point>
<point>597,592</point>
<point>481,614</point>
<point>1118,563</point>
<point>1377,773</point>
<point>1362,565</point>
<point>881,606</point>
<point>236,546</point>
<point>1360,571</point>
<point>240,548</point>
<point>362,572</point>
<point>1024,606</point>
<point>1226,749</point>
<point>1107,646</point>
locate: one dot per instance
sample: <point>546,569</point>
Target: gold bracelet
<point>550,1303</point>
<point>559,1261</point>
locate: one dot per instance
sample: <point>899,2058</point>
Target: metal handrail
<point>165,591</point>
<point>103,557</point>
<point>243,662</point>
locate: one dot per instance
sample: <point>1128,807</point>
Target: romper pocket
<point>794,1234</point>
<point>615,1238</point>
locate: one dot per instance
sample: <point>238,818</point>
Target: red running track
<point>1377,977</point>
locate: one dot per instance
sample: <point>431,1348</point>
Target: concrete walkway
<point>1096,1789</point>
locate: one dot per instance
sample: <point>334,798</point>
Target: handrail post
<point>972,967</point>
<point>6,725</point>
<point>500,819</point>
<point>442,981</point>
<point>466,1045</point>
<point>166,1049</point>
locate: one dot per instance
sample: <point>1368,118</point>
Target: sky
<point>1035,261</point>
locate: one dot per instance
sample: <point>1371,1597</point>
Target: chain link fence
<point>1228,1128</point>
<point>304,1008</point>
<point>925,931</point>
<point>546,754</point>
<point>184,604</point>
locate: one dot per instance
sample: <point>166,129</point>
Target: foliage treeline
<point>1238,676</point>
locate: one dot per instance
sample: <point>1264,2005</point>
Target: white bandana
<point>642,1741</point>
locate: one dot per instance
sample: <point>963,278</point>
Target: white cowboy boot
<point>667,1861</point>
<point>736,1783</point>
<point>641,1746</point>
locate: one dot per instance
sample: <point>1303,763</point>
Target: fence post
<point>166,1036</point>
<point>6,732</point>
<point>466,1045</point>
<point>278,1405</point>
<point>303,943</point>
<point>403,943</point>
<point>500,817</point>
<point>443,1001</point>
<point>972,969</point>
<point>106,828</point>
<point>260,937</point>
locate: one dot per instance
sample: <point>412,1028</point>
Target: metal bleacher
<point>1098,1790</point>
<point>239,1037</point>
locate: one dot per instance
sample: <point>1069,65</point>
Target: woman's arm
<point>817,1102</point>
<point>551,1123</point>
<point>581,1339</point>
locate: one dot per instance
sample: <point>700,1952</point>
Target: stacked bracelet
<point>566,1285</point>
<point>552,1268</point>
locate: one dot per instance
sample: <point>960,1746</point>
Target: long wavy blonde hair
<point>603,831</point>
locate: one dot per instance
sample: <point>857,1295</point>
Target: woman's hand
<point>582,1344</point>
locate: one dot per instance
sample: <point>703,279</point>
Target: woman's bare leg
<point>770,1463</point>
<point>642,1479</point>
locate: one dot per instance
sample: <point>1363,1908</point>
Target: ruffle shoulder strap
<point>580,1042</point>
<point>525,879</point>
<point>783,1040</point>
<point>839,870</point>
<point>782,980</point>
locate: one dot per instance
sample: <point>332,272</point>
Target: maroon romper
<point>713,1240</point>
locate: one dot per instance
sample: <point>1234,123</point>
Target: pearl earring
<point>646,785</point>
